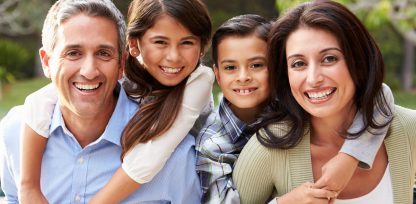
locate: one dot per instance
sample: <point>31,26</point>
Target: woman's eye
<point>329,59</point>
<point>297,64</point>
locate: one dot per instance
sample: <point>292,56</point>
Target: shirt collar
<point>124,110</point>
<point>232,124</point>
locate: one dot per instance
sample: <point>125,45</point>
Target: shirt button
<point>81,160</point>
<point>77,198</point>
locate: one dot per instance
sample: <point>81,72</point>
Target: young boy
<point>239,53</point>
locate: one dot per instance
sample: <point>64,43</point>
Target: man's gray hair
<point>63,10</point>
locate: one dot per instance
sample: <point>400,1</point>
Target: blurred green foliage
<point>14,61</point>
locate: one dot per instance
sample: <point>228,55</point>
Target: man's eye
<point>73,54</point>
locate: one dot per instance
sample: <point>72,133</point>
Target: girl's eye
<point>160,42</point>
<point>257,65</point>
<point>297,64</point>
<point>188,42</point>
<point>329,59</point>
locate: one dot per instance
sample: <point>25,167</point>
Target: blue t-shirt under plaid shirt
<point>218,145</point>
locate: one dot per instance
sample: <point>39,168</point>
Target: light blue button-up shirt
<point>71,174</point>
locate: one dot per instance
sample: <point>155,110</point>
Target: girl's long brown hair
<point>156,116</point>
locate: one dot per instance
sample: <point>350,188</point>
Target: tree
<point>18,17</point>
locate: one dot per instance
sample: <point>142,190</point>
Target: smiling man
<point>83,48</point>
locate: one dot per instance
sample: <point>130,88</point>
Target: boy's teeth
<point>87,86</point>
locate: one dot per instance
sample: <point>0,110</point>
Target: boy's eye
<point>229,67</point>
<point>297,64</point>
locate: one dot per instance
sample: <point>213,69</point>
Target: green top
<point>261,172</point>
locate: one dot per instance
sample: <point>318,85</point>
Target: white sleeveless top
<point>382,193</point>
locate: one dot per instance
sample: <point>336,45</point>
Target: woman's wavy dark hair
<point>362,55</point>
<point>156,116</point>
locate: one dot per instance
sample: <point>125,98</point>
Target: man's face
<point>84,65</point>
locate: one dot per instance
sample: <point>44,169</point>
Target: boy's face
<point>242,72</point>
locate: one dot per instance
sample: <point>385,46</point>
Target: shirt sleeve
<point>365,147</point>
<point>39,108</point>
<point>8,180</point>
<point>145,160</point>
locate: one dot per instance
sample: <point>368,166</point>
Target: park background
<point>391,22</point>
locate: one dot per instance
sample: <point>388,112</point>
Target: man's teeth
<point>171,70</point>
<point>87,86</point>
<point>318,95</point>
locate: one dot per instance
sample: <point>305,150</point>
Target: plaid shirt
<point>218,145</point>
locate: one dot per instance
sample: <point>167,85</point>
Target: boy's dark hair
<point>243,25</point>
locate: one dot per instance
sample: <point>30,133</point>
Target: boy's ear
<point>216,72</point>
<point>44,58</point>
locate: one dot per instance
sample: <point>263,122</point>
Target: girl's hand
<point>31,195</point>
<point>307,194</point>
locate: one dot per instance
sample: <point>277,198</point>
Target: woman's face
<point>169,51</point>
<point>318,74</point>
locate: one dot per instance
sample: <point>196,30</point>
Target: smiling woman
<point>325,70</point>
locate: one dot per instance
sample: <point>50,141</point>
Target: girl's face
<point>168,51</point>
<point>318,74</point>
<point>242,72</point>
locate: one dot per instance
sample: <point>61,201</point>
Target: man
<point>82,53</point>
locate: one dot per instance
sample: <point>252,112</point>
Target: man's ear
<point>44,58</point>
<point>123,61</point>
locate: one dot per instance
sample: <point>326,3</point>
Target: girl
<point>325,68</point>
<point>163,73</point>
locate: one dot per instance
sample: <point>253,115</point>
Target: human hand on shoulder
<point>307,193</point>
<point>337,172</point>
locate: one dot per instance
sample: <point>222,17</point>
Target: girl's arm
<point>38,113</point>
<point>145,160</point>
<point>337,172</point>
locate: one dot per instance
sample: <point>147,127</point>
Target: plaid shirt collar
<point>232,124</point>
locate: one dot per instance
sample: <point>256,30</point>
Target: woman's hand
<point>308,194</point>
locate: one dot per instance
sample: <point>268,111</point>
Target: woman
<point>326,67</point>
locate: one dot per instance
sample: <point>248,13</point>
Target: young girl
<point>163,73</point>
<point>245,82</point>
